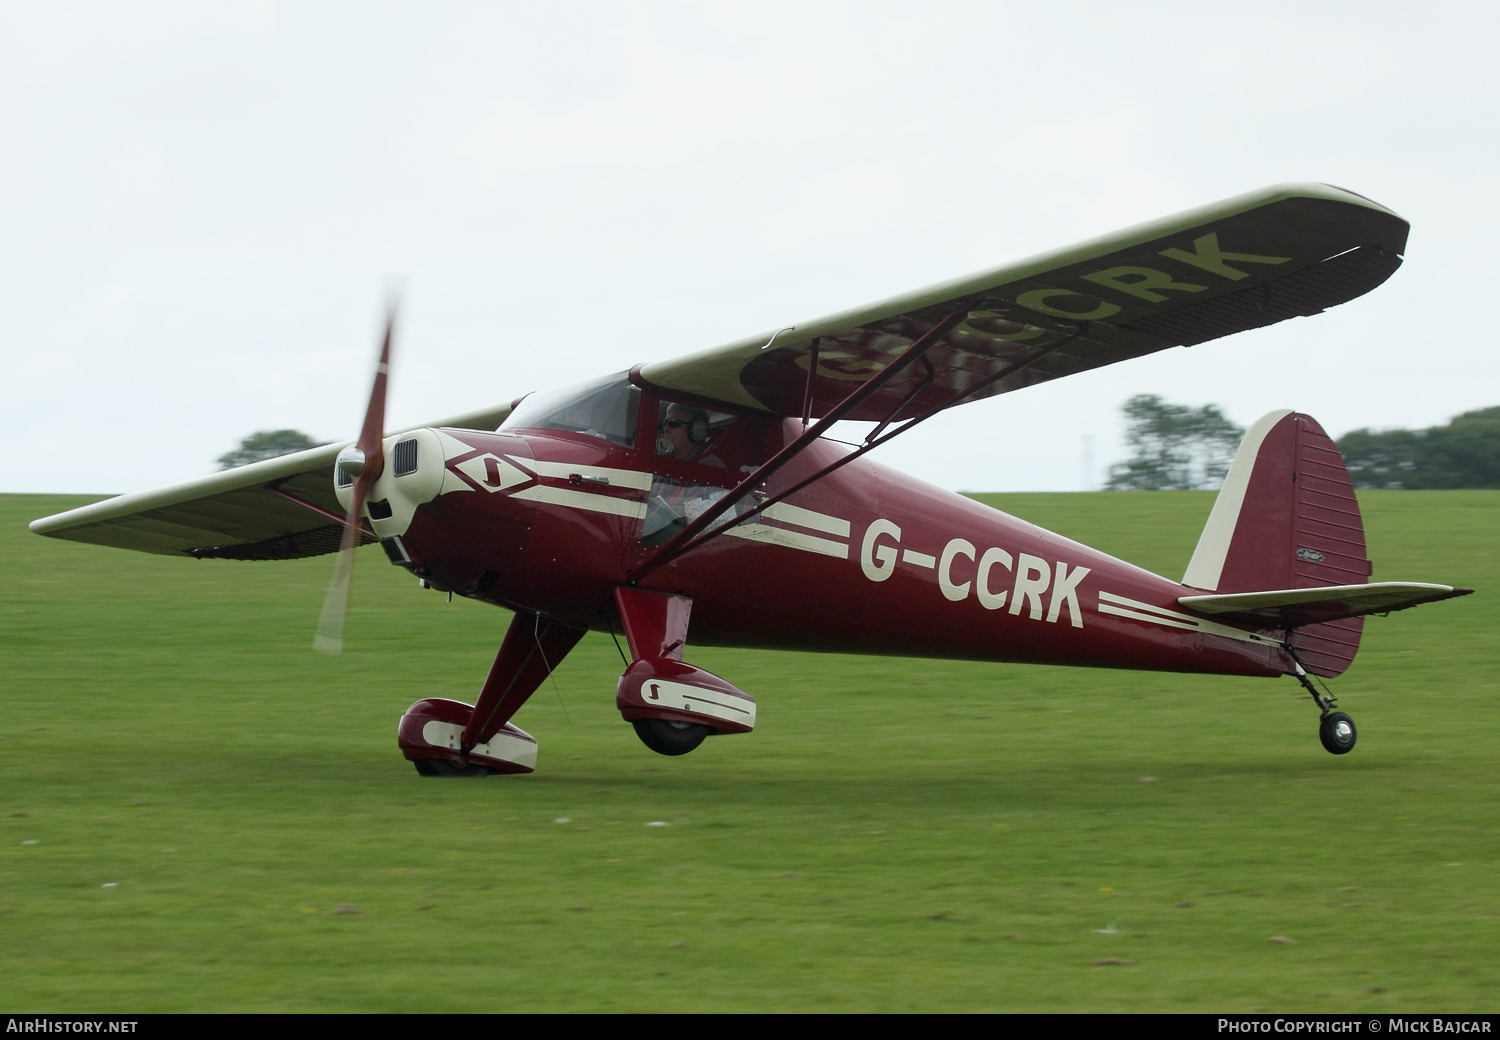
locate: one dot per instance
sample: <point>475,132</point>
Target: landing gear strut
<point>1335,729</point>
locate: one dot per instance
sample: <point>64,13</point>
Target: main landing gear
<point>450,738</point>
<point>670,736</point>
<point>674,706</point>
<point>1335,729</point>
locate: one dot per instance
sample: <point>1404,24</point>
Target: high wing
<point>1240,264</point>
<point>279,509</point>
<point>1250,261</point>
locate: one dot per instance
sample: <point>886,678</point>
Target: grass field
<point>198,813</point>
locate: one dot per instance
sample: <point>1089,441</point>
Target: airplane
<point>702,498</point>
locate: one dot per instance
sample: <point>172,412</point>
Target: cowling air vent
<point>341,478</point>
<point>406,457</point>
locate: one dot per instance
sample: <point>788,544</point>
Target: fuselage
<point>865,560</point>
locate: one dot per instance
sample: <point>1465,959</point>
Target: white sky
<point>201,205</point>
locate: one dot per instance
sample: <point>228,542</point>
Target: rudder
<point>1287,518</point>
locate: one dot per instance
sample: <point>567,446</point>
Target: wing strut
<point>342,521</point>
<point>697,533</point>
<point>688,538</point>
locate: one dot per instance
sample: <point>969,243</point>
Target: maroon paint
<point>745,593</point>
<point>656,624</point>
<point>532,648</point>
<point>1300,528</point>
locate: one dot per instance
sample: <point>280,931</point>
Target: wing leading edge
<point>1282,252</point>
<point>280,509</point>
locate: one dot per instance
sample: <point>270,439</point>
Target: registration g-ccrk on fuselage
<point>699,501</point>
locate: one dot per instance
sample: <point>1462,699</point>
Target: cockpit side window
<point>689,433</point>
<point>605,408</point>
<point>721,448</point>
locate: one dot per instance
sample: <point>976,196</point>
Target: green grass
<point>896,835</point>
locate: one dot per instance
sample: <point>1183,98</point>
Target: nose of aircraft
<point>413,475</point>
<point>469,527</point>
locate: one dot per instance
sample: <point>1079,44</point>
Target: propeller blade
<point>330,636</point>
<point>372,434</point>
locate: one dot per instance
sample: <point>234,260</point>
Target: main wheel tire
<point>668,737</point>
<point>442,767</point>
<point>1336,731</point>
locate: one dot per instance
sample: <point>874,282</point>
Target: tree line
<point>1178,448</point>
<point>1463,453</point>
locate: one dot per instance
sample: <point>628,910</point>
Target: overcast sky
<point>202,205</point>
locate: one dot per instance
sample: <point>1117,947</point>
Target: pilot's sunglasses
<point>676,423</point>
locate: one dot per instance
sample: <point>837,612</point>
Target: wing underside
<point>280,509</point>
<point>1279,253</point>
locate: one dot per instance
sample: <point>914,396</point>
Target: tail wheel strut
<point>1335,729</point>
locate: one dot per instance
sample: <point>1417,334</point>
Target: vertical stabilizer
<point>1287,518</point>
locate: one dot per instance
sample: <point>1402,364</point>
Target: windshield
<point>605,407</point>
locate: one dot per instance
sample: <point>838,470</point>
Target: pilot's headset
<point>697,431</point>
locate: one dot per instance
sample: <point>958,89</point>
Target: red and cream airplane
<point>697,499</point>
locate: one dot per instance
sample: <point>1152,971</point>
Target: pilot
<point>684,435</point>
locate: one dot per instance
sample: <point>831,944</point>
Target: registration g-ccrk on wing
<point>696,499</point>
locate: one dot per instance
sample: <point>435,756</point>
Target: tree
<point>1463,454</point>
<point>266,444</point>
<point>1176,448</point>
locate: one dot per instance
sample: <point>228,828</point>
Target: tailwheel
<point>670,737</point>
<point>1337,732</point>
<point>442,767</point>
<point>1335,729</point>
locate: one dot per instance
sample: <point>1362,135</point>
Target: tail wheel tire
<point>668,737</point>
<point>1337,732</point>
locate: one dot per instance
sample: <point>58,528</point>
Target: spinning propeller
<point>363,462</point>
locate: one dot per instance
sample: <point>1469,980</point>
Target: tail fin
<point>1287,518</point>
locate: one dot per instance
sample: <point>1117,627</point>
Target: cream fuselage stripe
<point>574,499</point>
<point>1121,606</point>
<point>640,480</point>
<point>799,517</point>
<point>634,479</point>
<point>790,539</point>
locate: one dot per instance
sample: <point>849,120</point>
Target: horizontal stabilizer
<point>1291,608</point>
